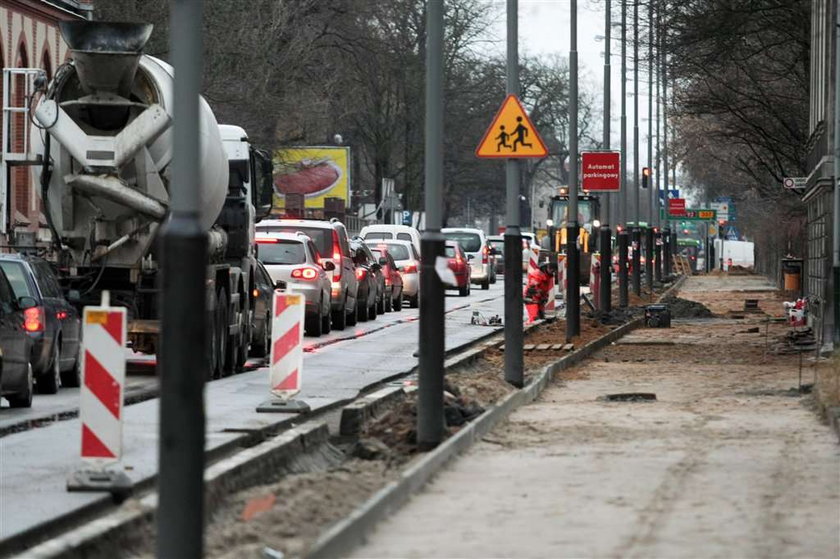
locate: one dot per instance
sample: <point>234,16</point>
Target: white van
<point>387,232</point>
<point>477,249</point>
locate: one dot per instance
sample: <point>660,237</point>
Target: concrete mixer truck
<point>104,140</point>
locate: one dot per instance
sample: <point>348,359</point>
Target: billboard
<point>315,172</point>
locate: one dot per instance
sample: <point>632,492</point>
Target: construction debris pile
<point>798,340</point>
<point>683,308</point>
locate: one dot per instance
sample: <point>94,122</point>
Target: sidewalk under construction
<point>720,451</point>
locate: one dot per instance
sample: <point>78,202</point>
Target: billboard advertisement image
<point>315,172</point>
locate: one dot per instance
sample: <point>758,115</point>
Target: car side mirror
<point>328,265</point>
<point>375,267</point>
<point>383,261</point>
<point>279,284</point>
<point>470,256</point>
<point>26,303</point>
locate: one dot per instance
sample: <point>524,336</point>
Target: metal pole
<point>657,256</point>
<point>605,243</point>
<point>572,229</point>
<point>184,362</point>
<point>836,222</point>
<point>652,194</point>
<point>623,295</point>
<point>430,422</point>
<point>514,337</point>
<point>637,183</point>
<point>624,194</point>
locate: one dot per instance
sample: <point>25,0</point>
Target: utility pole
<point>572,226</point>
<point>430,421</point>
<point>621,237</point>
<point>514,336</point>
<point>605,242</point>
<point>637,186</point>
<point>183,354</point>
<point>652,195</point>
<point>658,164</point>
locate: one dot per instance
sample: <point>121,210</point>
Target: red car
<point>460,266</point>
<point>393,278</point>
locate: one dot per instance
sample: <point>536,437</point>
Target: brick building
<point>29,38</point>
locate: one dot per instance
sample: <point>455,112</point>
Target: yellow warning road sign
<point>511,134</point>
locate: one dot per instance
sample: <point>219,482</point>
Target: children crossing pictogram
<point>511,134</point>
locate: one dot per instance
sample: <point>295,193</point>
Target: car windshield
<point>498,245</point>
<point>322,238</point>
<point>282,252</point>
<point>470,242</point>
<point>17,277</point>
<point>399,252</point>
<point>379,235</point>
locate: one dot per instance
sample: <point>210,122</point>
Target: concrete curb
<point>352,530</point>
<point>356,415</point>
<point>123,529</point>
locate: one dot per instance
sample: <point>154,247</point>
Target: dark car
<point>497,245</point>
<point>393,278</point>
<point>261,323</point>
<point>53,323</point>
<point>371,281</point>
<point>17,380</point>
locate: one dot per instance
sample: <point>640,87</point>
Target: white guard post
<point>101,406</point>
<point>286,362</point>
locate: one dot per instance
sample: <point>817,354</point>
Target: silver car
<point>408,263</point>
<point>292,258</point>
<point>477,249</point>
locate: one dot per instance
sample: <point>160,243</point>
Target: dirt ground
<point>730,460</point>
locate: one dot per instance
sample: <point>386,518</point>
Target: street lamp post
<point>605,241</point>
<point>573,227</point>
<point>623,295</point>
<point>652,196</point>
<point>637,211</point>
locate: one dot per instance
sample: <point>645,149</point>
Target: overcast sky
<point>544,29</point>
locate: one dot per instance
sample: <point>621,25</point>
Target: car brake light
<point>361,273</point>
<point>266,241</point>
<point>485,255</point>
<point>33,319</point>
<point>304,273</point>
<point>410,269</point>
<point>61,315</point>
<point>337,256</point>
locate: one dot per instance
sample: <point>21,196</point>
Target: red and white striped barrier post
<point>101,407</point>
<point>286,362</point>
<point>595,277</point>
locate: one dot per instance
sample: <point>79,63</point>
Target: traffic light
<point>645,177</point>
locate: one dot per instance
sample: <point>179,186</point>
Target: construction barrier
<point>286,344</point>
<point>103,383</point>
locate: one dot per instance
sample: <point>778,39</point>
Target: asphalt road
<point>34,464</point>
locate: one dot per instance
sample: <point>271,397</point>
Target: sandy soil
<point>729,461</point>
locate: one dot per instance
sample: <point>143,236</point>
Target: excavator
<point>588,213</point>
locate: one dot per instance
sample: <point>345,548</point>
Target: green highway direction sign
<point>699,214</point>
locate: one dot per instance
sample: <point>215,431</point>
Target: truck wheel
<point>234,343</point>
<point>339,317</point>
<point>221,332</point>
<point>50,380</point>
<point>24,399</point>
<point>260,347</point>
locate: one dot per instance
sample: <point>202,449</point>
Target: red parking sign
<point>601,171</point>
<point>676,206</point>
